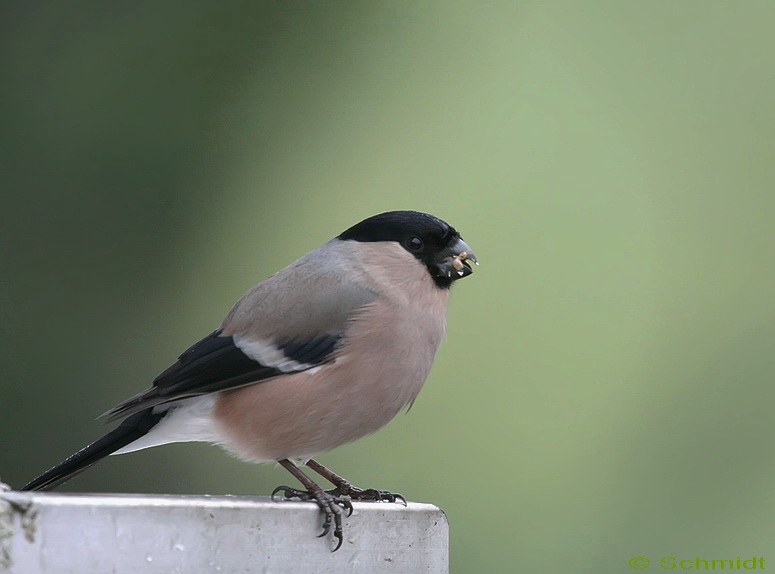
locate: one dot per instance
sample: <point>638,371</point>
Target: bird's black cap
<point>397,225</point>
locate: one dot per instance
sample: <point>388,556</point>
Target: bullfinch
<point>322,353</point>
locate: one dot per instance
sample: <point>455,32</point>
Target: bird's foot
<point>331,505</point>
<point>345,488</point>
<point>366,494</point>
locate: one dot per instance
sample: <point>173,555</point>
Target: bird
<point>322,353</point>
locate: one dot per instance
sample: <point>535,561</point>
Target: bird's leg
<point>328,503</point>
<point>345,488</point>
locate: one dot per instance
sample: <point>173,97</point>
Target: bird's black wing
<point>216,363</point>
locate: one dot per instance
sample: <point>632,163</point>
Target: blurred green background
<point>607,387</point>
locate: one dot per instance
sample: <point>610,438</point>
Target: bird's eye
<point>414,243</point>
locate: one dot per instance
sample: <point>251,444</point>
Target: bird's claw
<point>331,505</point>
<point>372,494</point>
<point>332,511</point>
<point>290,493</point>
<point>368,494</point>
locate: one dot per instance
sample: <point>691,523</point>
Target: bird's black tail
<point>128,431</point>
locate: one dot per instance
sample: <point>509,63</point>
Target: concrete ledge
<point>102,533</point>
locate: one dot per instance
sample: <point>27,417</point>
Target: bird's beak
<point>454,262</point>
